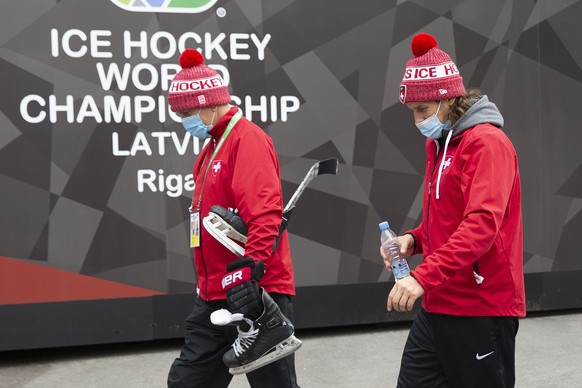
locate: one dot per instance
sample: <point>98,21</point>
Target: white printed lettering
<point>430,72</point>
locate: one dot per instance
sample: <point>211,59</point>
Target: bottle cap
<point>383,225</point>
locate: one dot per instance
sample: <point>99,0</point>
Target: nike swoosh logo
<point>478,357</point>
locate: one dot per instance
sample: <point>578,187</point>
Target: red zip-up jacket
<point>473,228</point>
<point>244,175</point>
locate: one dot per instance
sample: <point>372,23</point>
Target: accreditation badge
<point>194,229</point>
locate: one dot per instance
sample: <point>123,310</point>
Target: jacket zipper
<point>430,186</point>
<point>429,201</point>
<point>201,254</point>
<point>205,271</point>
<point>436,163</point>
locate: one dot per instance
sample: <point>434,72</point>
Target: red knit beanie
<point>196,85</point>
<point>431,75</point>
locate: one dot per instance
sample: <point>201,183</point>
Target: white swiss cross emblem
<point>402,94</point>
<point>216,166</point>
<point>447,163</point>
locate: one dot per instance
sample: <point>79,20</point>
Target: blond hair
<point>463,103</point>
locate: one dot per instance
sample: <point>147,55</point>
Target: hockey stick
<point>216,225</point>
<point>327,166</point>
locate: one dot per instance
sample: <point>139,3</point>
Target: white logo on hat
<point>443,91</point>
<point>201,99</point>
<point>402,93</point>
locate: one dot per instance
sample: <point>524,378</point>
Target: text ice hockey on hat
<point>187,86</point>
<point>430,72</point>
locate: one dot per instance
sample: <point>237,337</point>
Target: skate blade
<point>227,229</point>
<point>281,350</point>
<point>218,230</point>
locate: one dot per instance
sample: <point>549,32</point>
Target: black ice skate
<point>259,343</point>
<point>268,339</point>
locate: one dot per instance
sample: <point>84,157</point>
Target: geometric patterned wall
<point>72,210</point>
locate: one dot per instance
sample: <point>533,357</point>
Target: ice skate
<point>226,226</point>
<point>261,342</point>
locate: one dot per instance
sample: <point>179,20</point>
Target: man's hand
<point>404,293</point>
<point>406,249</point>
<point>241,284</point>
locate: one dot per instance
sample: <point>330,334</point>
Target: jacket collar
<point>219,128</point>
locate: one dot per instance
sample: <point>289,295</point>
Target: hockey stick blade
<point>328,166</point>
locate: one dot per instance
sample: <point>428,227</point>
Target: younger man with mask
<point>471,275</point>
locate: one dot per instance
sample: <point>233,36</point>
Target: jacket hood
<point>481,112</point>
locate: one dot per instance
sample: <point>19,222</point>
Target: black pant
<point>200,363</point>
<point>458,351</point>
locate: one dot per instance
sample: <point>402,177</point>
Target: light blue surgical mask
<point>194,125</point>
<point>432,127</point>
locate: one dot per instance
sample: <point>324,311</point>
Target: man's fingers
<point>389,302</point>
<point>385,259</point>
<point>402,297</point>
<point>395,298</point>
<point>410,304</point>
<point>399,303</point>
<point>403,303</point>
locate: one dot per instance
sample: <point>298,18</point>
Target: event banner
<point>96,171</point>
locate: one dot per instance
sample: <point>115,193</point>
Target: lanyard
<point>227,131</point>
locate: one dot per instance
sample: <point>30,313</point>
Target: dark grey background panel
<point>71,203</point>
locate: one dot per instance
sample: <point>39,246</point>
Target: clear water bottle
<point>391,248</point>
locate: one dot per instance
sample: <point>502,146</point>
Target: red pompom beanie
<point>196,85</point>
<point>431,75</point>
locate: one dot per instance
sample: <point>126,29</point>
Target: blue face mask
<point>432,127</point>
<point>194,126</point>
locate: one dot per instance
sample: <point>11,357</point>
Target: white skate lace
<point>245,338</point>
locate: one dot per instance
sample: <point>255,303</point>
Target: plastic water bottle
<point>391,248</point>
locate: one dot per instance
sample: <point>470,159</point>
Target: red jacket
<point>244,176</point>
<point>474,226</point>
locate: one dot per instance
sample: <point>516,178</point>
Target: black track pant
<point>454,351</point>
<point>200,363</point>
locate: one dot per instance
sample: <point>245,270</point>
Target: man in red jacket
<point>237,169</point>
<point>471,275</point>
